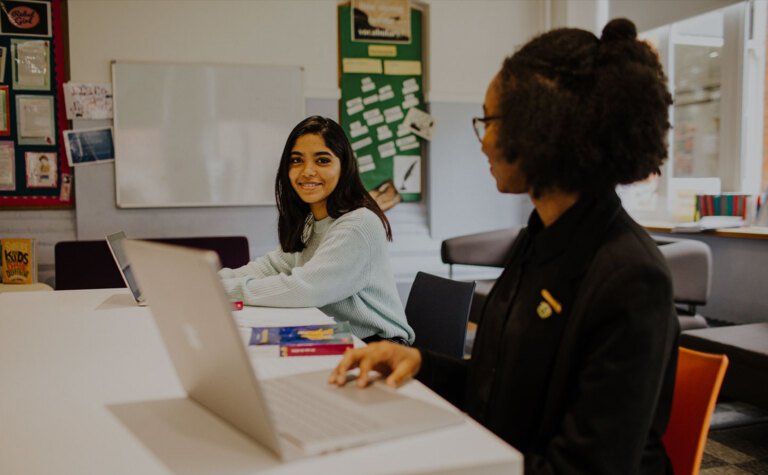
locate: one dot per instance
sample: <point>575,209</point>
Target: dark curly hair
<point>584,114</point>
<point>349,194</point>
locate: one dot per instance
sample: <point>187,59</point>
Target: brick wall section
<point>47,226</point>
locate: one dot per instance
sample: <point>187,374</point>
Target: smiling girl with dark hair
<point>333,240</point>
<point>349,193</point>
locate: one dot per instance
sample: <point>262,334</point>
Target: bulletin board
<point>33,166</point>
<point>381,79</point>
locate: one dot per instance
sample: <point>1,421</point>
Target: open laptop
<point>293,416</point>
<point>115,242</point>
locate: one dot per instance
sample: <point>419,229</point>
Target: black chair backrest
<point>85,265</point>
<point>490,248</point>
<point>89,264</point>
<point>232,250</point>
<point>437,310</point>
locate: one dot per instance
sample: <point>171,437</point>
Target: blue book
<point>305,340</point>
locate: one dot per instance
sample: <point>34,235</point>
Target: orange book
<point>17,257</point>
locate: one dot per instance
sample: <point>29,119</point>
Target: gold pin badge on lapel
<point>544,310</point>
<point>549,304</point>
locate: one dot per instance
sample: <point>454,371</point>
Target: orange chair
<point>697,384</point>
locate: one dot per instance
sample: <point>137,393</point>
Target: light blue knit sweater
<point>344,271</point>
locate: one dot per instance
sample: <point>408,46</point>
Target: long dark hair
<point>348,195</point>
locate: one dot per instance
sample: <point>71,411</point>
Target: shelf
<point>748,232</point>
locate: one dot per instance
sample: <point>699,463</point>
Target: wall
<point>47,226</point>
<point>649,14</point>
<point>590,15</point>
<point>97,215</point>
<point>459,179</point>
<point>462,60</point>
<point>468,41</point>
<point>225,31</point>
<point>460,194</point>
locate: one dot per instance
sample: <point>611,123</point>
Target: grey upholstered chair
<point>690,263</point>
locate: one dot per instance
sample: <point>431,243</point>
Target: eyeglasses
<point>481,123</point>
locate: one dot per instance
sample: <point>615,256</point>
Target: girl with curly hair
<point>575,354</point>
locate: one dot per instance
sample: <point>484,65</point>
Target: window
<point>716,70</point>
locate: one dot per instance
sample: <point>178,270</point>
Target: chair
<point>489,249</point>
<point>437,310</point>
<point>89,264</point>
<point>697,384</point>
<point>746,347</point>
<point>690,263</point>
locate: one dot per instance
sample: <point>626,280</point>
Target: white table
<point>37,286</point>
<point>88,387</point>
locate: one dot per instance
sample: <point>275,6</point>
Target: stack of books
<point>725,204</point>
<point>306,340</point>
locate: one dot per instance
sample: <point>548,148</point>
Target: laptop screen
<point>115,243</point>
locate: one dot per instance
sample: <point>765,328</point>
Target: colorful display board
<point>381,79</point>
<point>34,171</point>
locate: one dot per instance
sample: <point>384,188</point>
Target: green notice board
<point>380,83</point>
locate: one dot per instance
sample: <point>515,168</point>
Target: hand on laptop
<point>399,363</point>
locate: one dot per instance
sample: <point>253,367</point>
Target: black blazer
<point>580,377</point>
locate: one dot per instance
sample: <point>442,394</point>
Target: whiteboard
<point>201,134</point>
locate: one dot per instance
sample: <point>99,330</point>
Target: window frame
<point>742,106</point>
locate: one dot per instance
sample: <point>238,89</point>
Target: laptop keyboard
<point>306,415</point>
